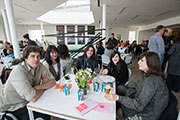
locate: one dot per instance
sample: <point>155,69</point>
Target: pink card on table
<point>105,107</point>
<point>87,106</point>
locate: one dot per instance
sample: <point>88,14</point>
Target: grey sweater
<point>146,98</point>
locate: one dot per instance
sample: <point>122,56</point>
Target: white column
<point>12,26</point>
<point>104,21</point>
<point>6,26</point>
<point>42,32</point>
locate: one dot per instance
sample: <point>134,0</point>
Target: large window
<point>71,38</point>
<point>81,34</point>
<point>91,30</point>
<point>132,35</point>
<point>60,31</point>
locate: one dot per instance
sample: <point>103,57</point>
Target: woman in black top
<point>88,59</point>
<point>118,69</point>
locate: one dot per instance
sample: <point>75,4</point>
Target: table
<point>55,103</point>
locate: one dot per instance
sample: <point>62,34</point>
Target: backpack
<point>6,71</point>
<point>5,74</point>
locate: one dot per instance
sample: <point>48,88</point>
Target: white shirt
<point>55,68</point>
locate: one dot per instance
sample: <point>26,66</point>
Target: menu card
<point>105,107</point>
<point>87,106</point>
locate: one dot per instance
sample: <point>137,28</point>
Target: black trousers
<point>22,114</point>
<point>173,82</point>
<point>120,90</point>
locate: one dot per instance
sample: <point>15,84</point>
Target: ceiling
<point>119,12</point>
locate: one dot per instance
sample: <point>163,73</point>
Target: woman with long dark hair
<point>65,58</point>
<point>52,62</point>
<point>148,97</point>
<point>118,69</point>
<point>88,59</point>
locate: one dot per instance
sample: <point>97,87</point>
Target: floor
<point>136,75</point>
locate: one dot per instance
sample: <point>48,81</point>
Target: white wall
<point>49,29</point>
<point>145,35</point>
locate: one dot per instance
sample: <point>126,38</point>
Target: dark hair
<point>159,27</point>
<point>153,63</point>
<point>165,31</point>
<point>118,65</point>
<point>87,48</point>
<point>112,33</point>
<point>26,36</point>
<point>48,56</point>
<point>63,51</point>
<point>100,44</point>
<point>30,49</point>
<point>177,38</point>
<point>109,45</point>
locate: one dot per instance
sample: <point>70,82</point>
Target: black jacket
<point>122,76</point>
<point>83,63</point>
<point>30,42</point>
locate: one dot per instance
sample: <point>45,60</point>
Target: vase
<point>84,90</point>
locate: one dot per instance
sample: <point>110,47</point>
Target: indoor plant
<point>84,78</point>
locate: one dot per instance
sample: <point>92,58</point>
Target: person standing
<point>167,36</point>
<point>156,43</point>
<point>112,40</point>
<point>26,83</point>
<point>173,77</point>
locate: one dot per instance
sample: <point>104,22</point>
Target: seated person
<point>65,58</point>
<point>52,62</point>
<point>118,69</point>
<point>10,53</point>
<point>26,83</point>
<point>88,59</point>
<point>148,97</point>
<point>109,49</point>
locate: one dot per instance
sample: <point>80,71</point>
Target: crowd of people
<point>147,98</point>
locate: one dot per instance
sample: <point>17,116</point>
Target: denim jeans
<point>161,57</point>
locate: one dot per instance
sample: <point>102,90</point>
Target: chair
<point>10,116</point>
<point>105,60</point>
<point>7,116</point>
<point>127,58</point>
<point>129,80</point>
<point>170,112</point>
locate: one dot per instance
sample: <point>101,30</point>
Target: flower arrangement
<point>84,77</point>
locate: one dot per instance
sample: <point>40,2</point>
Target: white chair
<point>10,116</point>
<point>130,73</point>
<point>105,60</point>
<point>127,58</point>
<point>7,116</point>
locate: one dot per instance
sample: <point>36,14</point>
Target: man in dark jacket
<point>112,40</point>
<point>28,40</point>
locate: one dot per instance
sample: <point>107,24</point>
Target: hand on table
<point>111,97</point>
<point>105,71</point>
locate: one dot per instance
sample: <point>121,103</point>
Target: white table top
<point>55,103</point>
